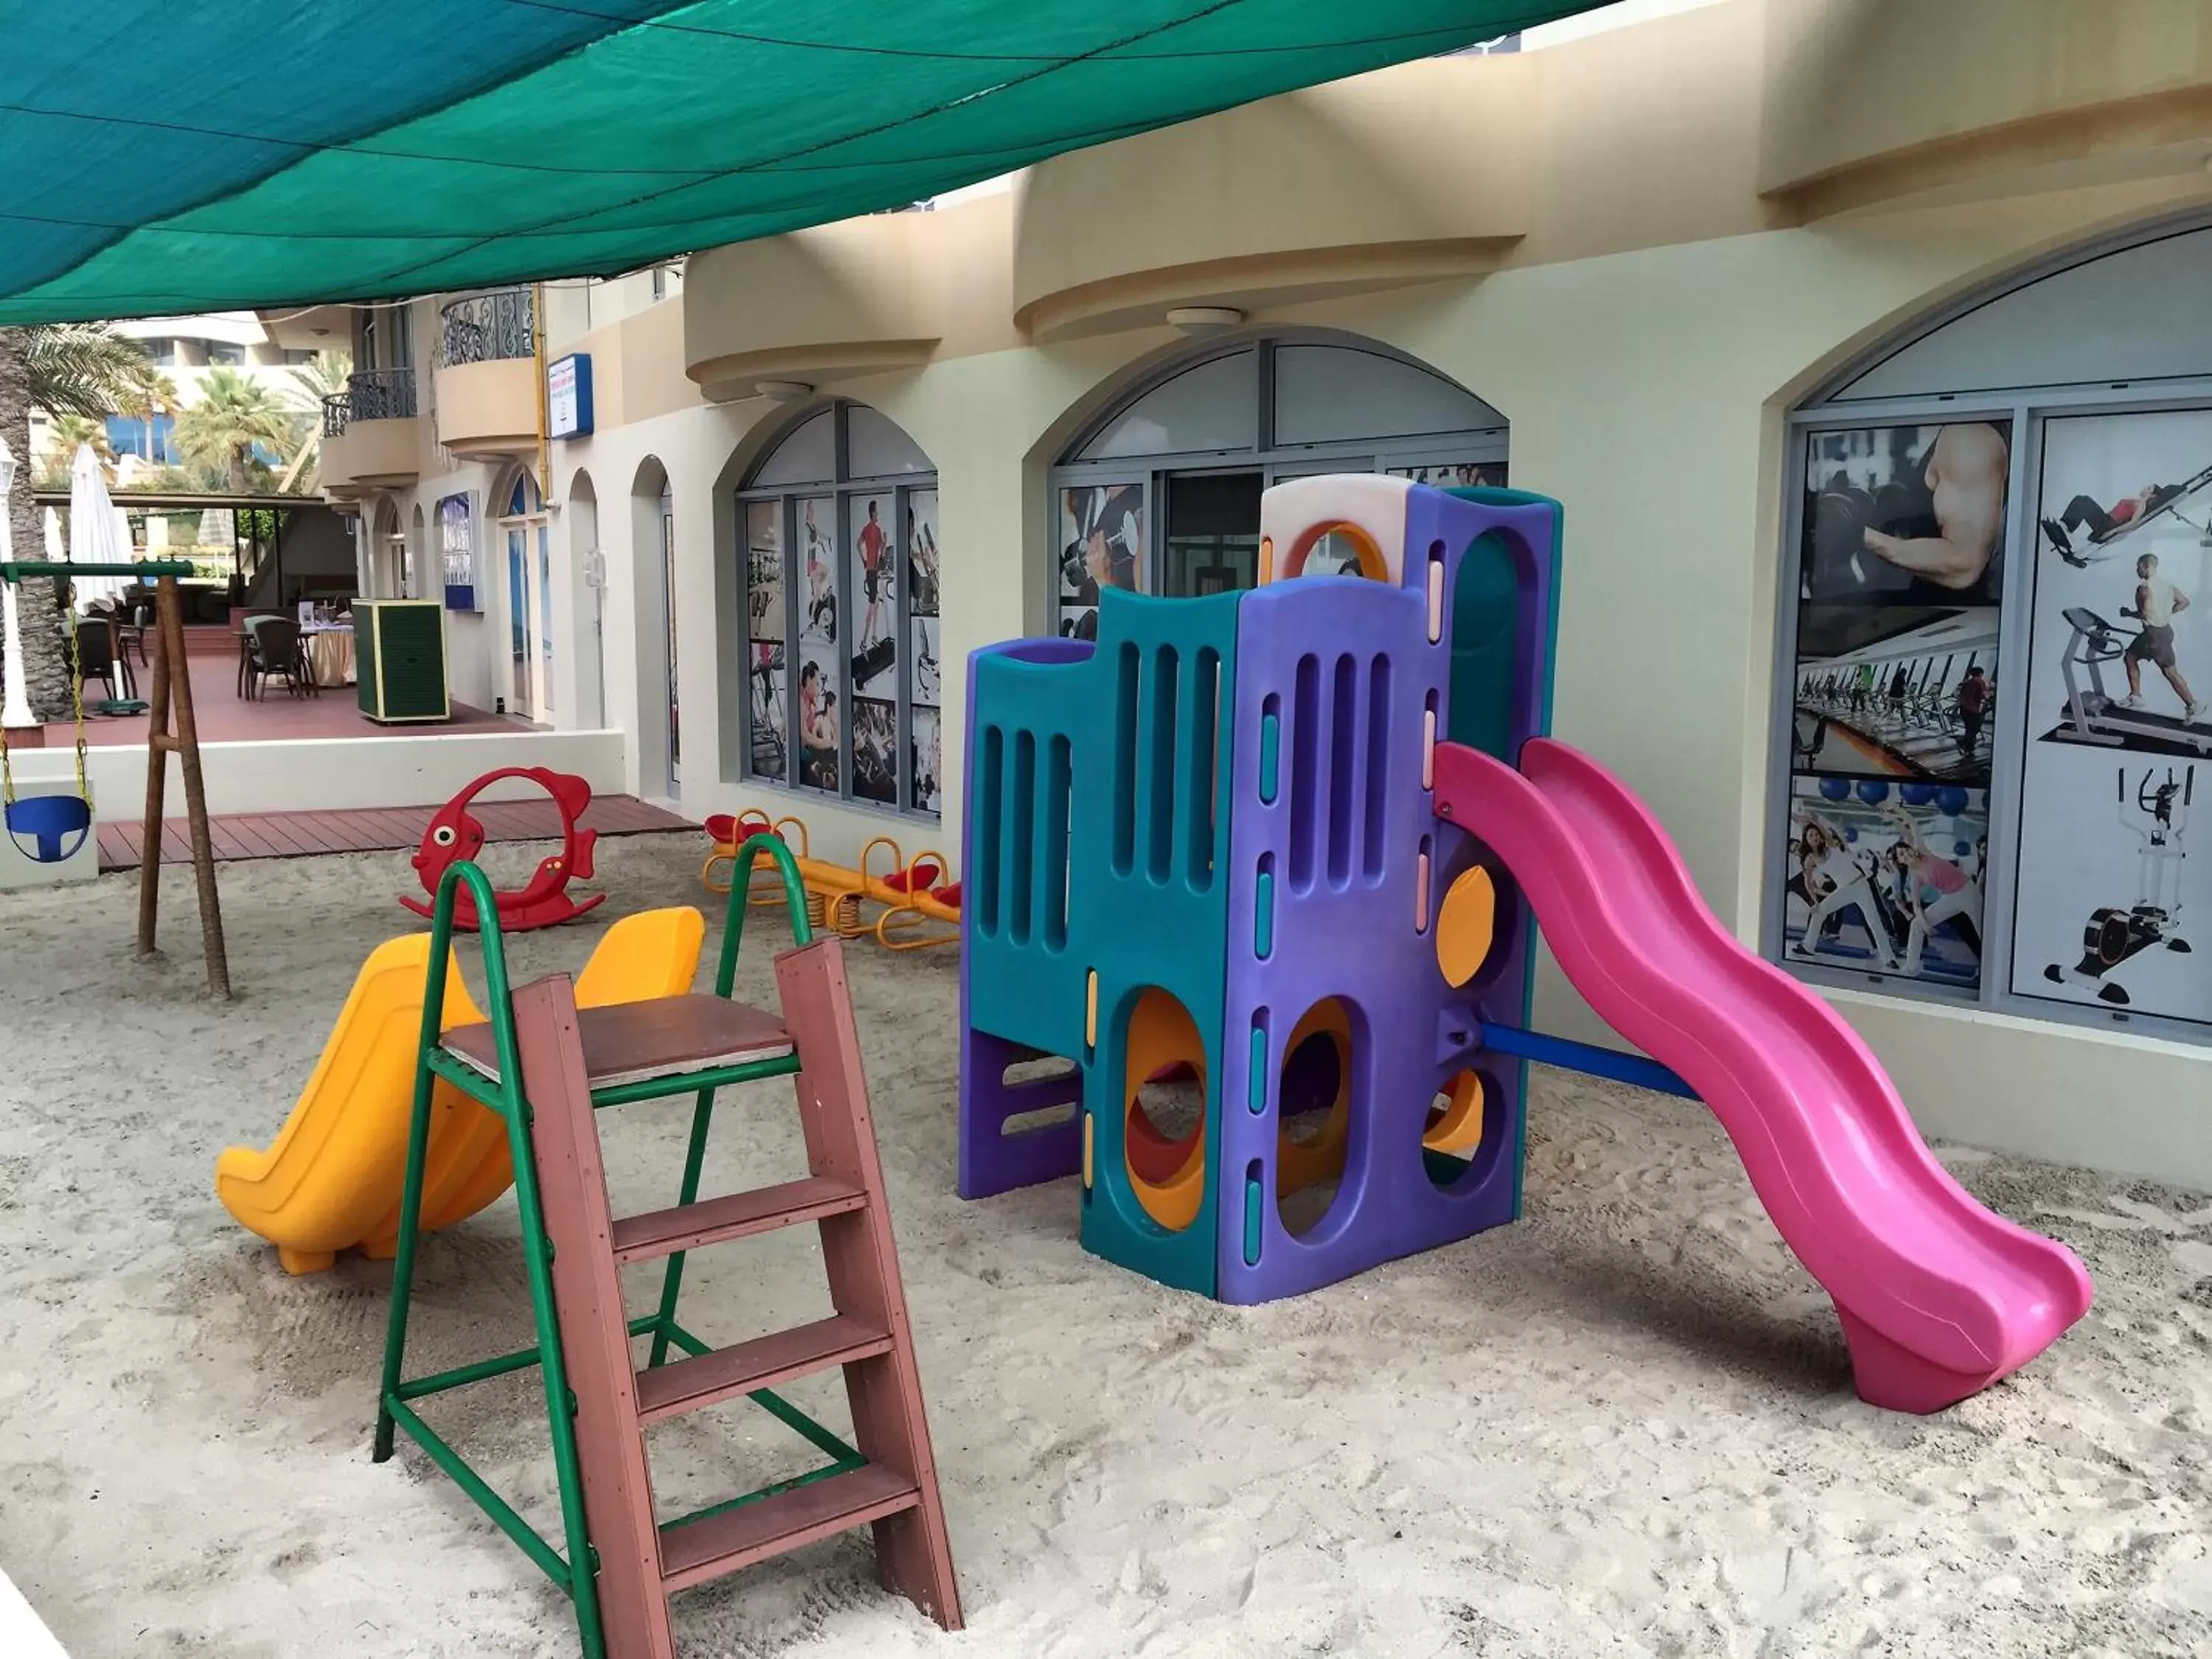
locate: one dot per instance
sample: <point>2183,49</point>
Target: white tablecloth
<point>330,655</point>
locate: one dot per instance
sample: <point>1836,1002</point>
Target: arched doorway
<point>653,541</point>
<point>387,551</point>
<point>587,581</point>
<point>526,536</point>
<point>840,609</point>
<point>1994,707</point>
<point>1161,493</point>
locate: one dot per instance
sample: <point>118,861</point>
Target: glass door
<point>530,617</point>
<point>1212,539</point>
<point>541,691</point>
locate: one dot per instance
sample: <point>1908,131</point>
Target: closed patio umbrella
<point>99,531</point>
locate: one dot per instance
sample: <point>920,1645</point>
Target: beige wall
<point>1873,101</point>
<point>893,291</point>
<point>1724,120</point>
<point>1647,259</point>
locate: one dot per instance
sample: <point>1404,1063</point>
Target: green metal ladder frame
<point>397,1394</point>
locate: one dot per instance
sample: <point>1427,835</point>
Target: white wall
<point>476,640</point>
<point>308,775</point>
<point>694,449</point>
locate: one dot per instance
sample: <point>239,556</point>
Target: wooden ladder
<point>562,1058</point>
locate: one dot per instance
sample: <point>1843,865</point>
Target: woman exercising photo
<point>1958,899</point>
<point>1850,887</point>
<point>2086,512</point>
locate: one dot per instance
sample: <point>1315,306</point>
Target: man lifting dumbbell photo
<point>1929,534</point>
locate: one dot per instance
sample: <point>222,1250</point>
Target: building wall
<point>1679,229</point>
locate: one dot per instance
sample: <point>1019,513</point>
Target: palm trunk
<point>46,670</point>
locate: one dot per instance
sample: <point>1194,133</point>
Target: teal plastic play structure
<point>1254,883</point>
<point>1288,733</point>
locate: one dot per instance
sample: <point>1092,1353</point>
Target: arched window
<point>839,611</point>
<point>1997,700</point>
<point>1162,492</point>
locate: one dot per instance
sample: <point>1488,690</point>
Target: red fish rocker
<point>454,834</point>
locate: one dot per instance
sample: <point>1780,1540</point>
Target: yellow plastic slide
<point>331,1178</point>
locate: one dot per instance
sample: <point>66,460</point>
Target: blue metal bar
<point>1572,1056</point>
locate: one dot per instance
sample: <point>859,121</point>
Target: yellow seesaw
<point>915,908</point>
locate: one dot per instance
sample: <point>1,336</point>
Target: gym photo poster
<point>1101,540</point>
<point>769,716</point>
<point>1900,564</point>
<point>1887,878</point>
<point>2106,894</point>
<point>2120,663</point>
<point>2120,651</point>
<point>1905,515</point>
<point>1895,692</point>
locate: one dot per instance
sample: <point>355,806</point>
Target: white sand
<point>1623,1426</point>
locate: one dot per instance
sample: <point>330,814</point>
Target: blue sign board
<point>569,397</point>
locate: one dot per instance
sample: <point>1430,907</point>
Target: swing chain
<point>65,593</point>
<point>61,596</point>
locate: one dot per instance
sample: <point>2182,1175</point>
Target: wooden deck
<point>397,828</point>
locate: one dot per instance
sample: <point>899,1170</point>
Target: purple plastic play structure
<point>1271,855</point>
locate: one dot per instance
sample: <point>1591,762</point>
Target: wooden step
<point>707,1379</point>
<point>662,1036</point>
<point>739,1215</point>
<point>736,1538</point>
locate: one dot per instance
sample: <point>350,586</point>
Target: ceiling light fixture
<point>1199,321</point>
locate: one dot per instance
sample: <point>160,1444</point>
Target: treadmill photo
<point>2092,715</point>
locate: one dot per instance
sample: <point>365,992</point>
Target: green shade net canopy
<point>159,158</point>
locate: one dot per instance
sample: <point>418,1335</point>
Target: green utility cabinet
<point>400,645</point>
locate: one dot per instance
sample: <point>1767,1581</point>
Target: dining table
<point>329,649</point>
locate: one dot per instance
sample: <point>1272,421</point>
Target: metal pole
<point>545,417</point>
<point>1570,1055</point>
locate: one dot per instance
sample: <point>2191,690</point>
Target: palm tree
<point>67,433</point>
<point>233,417</point>
<point>148,400</point>
<point>83,369</point>
<point>325,377</point>
<point>64,368</point>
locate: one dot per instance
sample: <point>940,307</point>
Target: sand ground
<point>1623,1426</point>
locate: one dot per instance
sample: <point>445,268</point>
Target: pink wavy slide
<point>1939,1296</point>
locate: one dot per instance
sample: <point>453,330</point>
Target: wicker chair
<point>275,650</point>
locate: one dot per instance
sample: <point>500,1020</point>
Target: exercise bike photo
<point>2114,936</point>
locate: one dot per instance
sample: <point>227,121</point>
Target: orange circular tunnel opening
<point>1166,1171</point>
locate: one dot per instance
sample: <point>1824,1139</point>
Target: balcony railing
<point>337,409</point>
<point>379,394</point>
<point>487,328</point>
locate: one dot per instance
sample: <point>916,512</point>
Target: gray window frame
<point>1273,461</point>
<point>840,491</point>
<point>2027,408</point>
